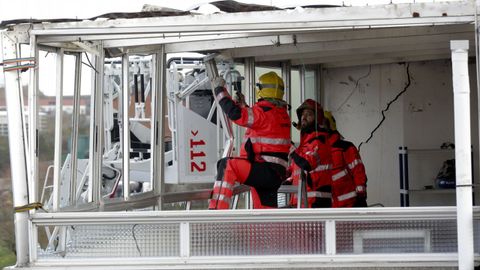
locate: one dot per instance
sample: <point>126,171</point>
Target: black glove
<point>360,202</point>
<point>301,162</point>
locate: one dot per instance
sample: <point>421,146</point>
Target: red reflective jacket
<point>348,172</point>
<point>313,156</point>
<point>268,127</point>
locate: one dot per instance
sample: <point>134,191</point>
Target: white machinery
<point>153,126</point>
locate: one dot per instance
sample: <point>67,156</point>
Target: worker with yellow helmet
<point>264,154</point>
<point>349,185</point>
<point>270,86</point>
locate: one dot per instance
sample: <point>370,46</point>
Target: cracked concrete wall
<point>422,117</point>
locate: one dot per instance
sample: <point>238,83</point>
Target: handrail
<point>146,199</point>
<point>45,182</point>
<point>260,215</point>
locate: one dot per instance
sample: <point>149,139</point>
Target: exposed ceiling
<point>331,36</point>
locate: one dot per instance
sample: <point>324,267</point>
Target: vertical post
<point>250,98</point>
<point>404,185</point>
<point>159,96</point>
<point>99,143</point>
<point>185,239</point>
<point>463,172</point>
<point>96,129</point>
<point>250,80</point>
<point>125,138</point>
<point>330,238</point>
<point>93,136</point>
<point>75,121</point>
<point>402,171</point>
<point>318,84</point>
<point>58,130</point>
<point>33,123</point>
<point>33,242</point>
<point>406,179</point>
<point>16,138</point>
<point>302,72</point>
<point>477,69</point>
<point>287,80</point>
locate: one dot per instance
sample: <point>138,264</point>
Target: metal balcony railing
<point>285,238</point>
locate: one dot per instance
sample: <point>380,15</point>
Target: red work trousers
<point>264,178</point>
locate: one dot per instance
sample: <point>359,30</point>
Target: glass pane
<point>140,117</point>
<point>295,103</point>
<point>311,90</point>
<point>129,240</point>
<point>46,123</point>
<point>84,122</point>
<point>112,167</point>
<point>414,236</point>
<point>234,239</point>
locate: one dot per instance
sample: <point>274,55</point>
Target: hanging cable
<point>135,238</point>
<point>388,107</point>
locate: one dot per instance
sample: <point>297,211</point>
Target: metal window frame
<point>75,123</point>
<point>57,166</point>
<point>125,126</point>
<point>287,80</point>
<point>33,123</point>
<point>458,15</point>
<point>159,94</point>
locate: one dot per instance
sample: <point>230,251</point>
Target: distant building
<point>46,107</point>
<point>42,122</point>
<point>47,104</point>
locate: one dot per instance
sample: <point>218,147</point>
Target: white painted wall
<point>421,118</point>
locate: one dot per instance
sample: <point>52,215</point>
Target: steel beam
<point>125,125</point>
<point>57,164</point>
<point>18,156</point>
<point>159,96</point>
<point>341,17</point>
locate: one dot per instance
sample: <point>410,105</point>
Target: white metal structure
<point>95,231</point>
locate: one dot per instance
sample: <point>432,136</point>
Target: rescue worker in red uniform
<point>312,158</point>
<point>264,153</point>
<point>349,181</point>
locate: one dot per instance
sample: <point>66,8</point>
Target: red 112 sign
<point>195,165</point>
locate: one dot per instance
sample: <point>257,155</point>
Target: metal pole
<point>477,71</point>
<point>75,122</point>
<point>33,145</point>
<point>250,80</point>
<point>287,80</point>
<point>319,91</point>
<point>159,95</point>
<point>125,138</point>
<point>463,162</point>
<point>99,143</point>
<point>33,124</point>
<point>58,130</point>
<point>18,156</point>
<point>93,136</point>
<point>302,72</point>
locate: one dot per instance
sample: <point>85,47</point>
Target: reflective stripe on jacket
<point>268,127</point>
<point>348,171</point>
<point>315,158</point>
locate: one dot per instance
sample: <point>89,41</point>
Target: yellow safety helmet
<point>330,120</point>
<point>270,86</point>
